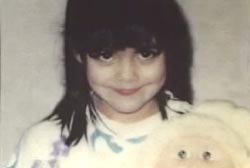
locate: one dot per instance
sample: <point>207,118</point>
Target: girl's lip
<point>127,92</point>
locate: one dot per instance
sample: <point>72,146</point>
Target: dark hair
<point>117,24</point>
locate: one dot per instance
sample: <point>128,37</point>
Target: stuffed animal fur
<point>214,134</point>
<point>238,118</point>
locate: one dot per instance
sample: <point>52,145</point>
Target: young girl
<point>124,62</point>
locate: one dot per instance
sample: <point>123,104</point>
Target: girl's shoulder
<point>41,134</point>
<point>39,142</point>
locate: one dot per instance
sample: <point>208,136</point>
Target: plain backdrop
<point>31,63</point>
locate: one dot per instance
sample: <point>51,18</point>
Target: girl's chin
<point>127,110</point>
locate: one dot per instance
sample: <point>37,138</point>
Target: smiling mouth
<point>127,92</point>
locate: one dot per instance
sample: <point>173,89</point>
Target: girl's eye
<point>148,54</point>
<point>103,55</point>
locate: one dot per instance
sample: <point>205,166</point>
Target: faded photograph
<point>125,83</point>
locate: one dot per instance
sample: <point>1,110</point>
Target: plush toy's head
<point>195,140</point>
<point>233,116</point>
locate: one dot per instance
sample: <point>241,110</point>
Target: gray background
<point>31,64</point>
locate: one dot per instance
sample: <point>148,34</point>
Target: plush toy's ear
<point>238,118</point>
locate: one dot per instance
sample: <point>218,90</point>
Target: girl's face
<point>126,82</point>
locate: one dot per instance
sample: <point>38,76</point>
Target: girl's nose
<point>127,69</point>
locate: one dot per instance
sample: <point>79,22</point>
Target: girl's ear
<point>78,58</point>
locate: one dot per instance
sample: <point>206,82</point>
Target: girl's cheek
<point>98,74</point>
<point>93,71</point>
<point>156,72</point>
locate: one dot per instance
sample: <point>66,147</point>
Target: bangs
<point>118,39</point>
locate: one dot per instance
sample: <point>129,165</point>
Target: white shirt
<point>108,142</point>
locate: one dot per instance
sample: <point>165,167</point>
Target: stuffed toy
<point>214,134</point>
